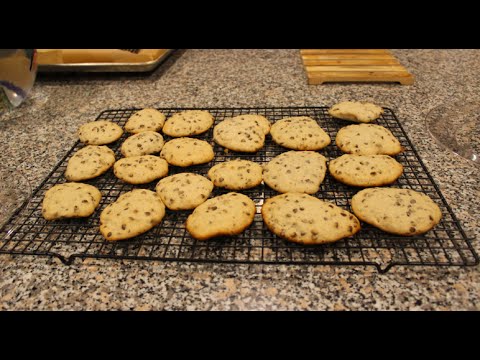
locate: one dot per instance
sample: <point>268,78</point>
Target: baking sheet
<point>106,66</point>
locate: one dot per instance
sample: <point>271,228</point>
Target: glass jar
<point>18,70</point>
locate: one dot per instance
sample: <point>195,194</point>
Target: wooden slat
<point>313,62</point>
<point>364,74</point>
<point>347,56</point>
<point>343,51</point>
<point>402,77</point>
<point>355,68</point>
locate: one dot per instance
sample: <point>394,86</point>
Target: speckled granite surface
<point>36,136</point>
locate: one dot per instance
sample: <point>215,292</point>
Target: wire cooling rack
<point>27,233</point>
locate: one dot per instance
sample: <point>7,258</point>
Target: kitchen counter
<point>37,135</point>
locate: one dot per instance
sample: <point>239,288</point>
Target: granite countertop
<point>38,134</point>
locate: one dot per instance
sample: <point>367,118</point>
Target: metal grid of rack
<point>27,233</point>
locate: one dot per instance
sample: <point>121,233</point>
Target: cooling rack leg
<point>384,269</point>
<point>64,260</point>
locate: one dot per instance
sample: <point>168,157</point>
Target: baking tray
<point>106,67</point>
<point>27,233</point>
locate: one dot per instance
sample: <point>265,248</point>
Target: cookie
<point>243,136</point>
<point>187,151</point>
<point>187,123</point>
<point>307,220</point>
<point>184,191</point>
<point>224,215</point>
<point>144,143</point>
<point>134,213</point>
<point>89,162</point>
<point>99,132</point>
<point>365,170</point>
<point>361,112</point>
<point>367,139</point>
<point>236,174</point>
<point>140,169</point>
<point>258,120</point>
<point>397,211</point>
<point>299,133</point>
<point>145,120</point>
<point>295,171</point>
<point>70,200</point>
